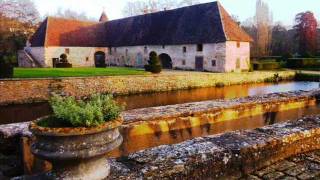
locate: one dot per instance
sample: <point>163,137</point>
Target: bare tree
<point>22,10</point>
<point>263,23</point>
<point>189,2</point>
<point>139,7</point>
<point>70,14</point>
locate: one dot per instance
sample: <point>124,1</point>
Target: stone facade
<point>220,57</point>
<point>77,56</point>
<point>213,42</point>
<point>33,90</point>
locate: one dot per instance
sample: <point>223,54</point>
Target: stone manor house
<point>201,37</point>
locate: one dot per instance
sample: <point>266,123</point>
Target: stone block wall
<point>33,90</point>
<point>181,60</point>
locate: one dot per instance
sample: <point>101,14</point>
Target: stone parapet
<point>16,91</point>
<point>230,155</point>
<point>167,118</point>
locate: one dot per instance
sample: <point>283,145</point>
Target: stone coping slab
<point>191,109</point>
<point>227,155</point>
<point>179,110</point>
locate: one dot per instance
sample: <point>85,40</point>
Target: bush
<point>6,66</point>
<point>287,56</point>
<point>63,63</point>
<point>267,65</point>
<point>303,63</point>
<point>69,112</point>
<point>6,70</point>
<point>154,64</point>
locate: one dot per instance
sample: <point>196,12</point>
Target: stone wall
<point>32,90</point>
<point>77,56</point>
<point>224,156</point>
<point>236,53</point>
<point>168,118</point>
<point>224,55</point>
<point>182,60</point>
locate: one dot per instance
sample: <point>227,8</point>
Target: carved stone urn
<point>76,153</point>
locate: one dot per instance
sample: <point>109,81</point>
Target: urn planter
<point>76,153</point>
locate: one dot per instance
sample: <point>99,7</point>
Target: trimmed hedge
<point>303,63</point>
<point>267,65</point>
<point>307,77</point>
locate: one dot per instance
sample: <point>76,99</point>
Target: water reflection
<point>136,143</point>
<point>203,94</point>
<point>28,112</point>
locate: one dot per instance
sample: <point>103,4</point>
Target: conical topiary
<point>154,64</point>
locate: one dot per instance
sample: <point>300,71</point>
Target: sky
<point>283,10</point>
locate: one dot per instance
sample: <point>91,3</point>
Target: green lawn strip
<point>75,72</point>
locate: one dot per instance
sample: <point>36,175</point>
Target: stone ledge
<point>232,154</point>
<point>39,90</point>
<point>192,109</point>
<point>180,110</point>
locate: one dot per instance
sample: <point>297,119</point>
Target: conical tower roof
<point>103,17</point>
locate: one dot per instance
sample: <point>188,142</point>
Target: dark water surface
<point>28,112</point>
<point>136,143</point>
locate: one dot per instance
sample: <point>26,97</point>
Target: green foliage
<point>287,56</point>
<point>307,77</point>
<point>267,65</point>
<point>6,69</point>
<point>303,63</point>
<point>154,64</point>
<point>64,58</point>
<point>95,111</point>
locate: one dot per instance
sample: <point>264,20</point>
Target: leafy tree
<point>154,64</point>
<point>306,33</point>
<point>280,44</point>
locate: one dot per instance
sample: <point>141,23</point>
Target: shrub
<point>69,112</point>
<point>154,64</point>
<point>64,58</point>
<point>267,65</point>
<point>303,63</point>
<point>6,66</point>
<point>287,56</point>
<point>63,63</point>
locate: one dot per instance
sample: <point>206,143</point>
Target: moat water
<point>133,144</point>
<point>27,112</point>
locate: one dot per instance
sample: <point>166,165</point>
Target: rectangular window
<point>184,49</point>
<point>163,46</point>
<point>127,51</point>
<point>146,50</point>
<point>67,50</point>
<point>213,63</point>
<point>87,58</point>
<point>200,47</point>
<point>183,62</point>
<point>238,44</point>
<point>110,51</point>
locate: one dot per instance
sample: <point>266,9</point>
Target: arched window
<point>184,49</point>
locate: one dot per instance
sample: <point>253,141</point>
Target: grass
<point>75,72</point>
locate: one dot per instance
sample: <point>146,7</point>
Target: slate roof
<point>203,23</point>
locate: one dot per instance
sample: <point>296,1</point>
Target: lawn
<point>75,72</point>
